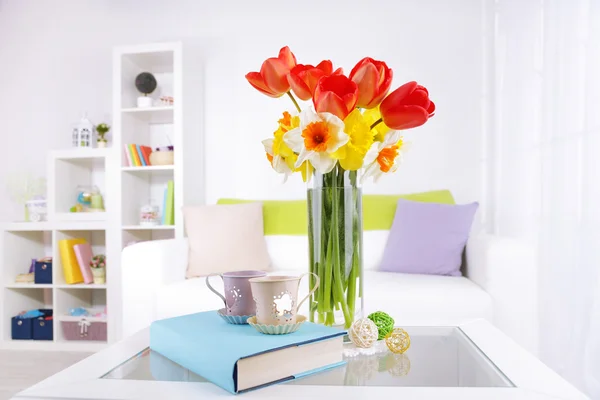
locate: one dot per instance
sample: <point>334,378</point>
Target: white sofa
<point>499,285</point>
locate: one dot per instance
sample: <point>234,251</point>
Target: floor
<point>21,369</point>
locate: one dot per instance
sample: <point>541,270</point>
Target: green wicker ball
<point>384,323</point>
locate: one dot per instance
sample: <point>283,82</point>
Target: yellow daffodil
<point>317,138</point>
<point>383,157</point>
<point>281,157</point>
<point>279,154</point>
<point>372,115</point>
<point>352,154</point>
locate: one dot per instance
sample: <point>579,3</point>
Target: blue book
<point>164,208</point>
<point>140,154</point>
<point>238,358</point>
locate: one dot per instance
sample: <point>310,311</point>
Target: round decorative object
<point>384,323</point>
<point>145,83</point>
<point>277,329</point>
<point>398,341</point>
<point>363,333</point>
<point>233,319</point>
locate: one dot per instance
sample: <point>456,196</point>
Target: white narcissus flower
<point>277,162</point>
<point>316,139</point>
<point>383,157</point>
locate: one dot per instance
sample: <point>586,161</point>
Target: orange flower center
<point>270,158</point>
<point>316,135</point>
<point>386,158</point>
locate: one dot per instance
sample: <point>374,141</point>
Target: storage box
<point>21,329</point>
<point>42,328</point>
<point>43,272</point>
<point>84,329</point>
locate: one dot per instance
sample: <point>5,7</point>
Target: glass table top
<point>437,357</point>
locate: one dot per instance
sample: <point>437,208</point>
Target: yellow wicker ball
<point>397,341</point>
<point>363,333</point>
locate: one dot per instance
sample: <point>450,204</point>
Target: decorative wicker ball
<point>385,323</point>
<point>397,341</point>
<point>363,333</point>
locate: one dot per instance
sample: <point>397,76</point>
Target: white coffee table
<point>471,361</point>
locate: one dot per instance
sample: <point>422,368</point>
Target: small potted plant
<point>102,130</point>
<point>98,265</point>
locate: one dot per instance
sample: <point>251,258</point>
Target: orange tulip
<point>374,79</point>
<point>272,78</point>
<point>335,94</point>
<point>304,78</point>
<point>407,107</point>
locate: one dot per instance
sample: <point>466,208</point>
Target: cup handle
<point>213,289</point>
<point>311,290</point>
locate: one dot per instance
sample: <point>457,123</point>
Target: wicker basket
<point>84,329</point>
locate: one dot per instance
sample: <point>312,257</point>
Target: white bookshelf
<point>124,189</point>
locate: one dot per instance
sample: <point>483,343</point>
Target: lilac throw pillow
<point>428,238</point>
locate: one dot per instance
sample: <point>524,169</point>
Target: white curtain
<point>544,140</point>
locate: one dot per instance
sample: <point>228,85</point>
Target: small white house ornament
<point>83,133</point>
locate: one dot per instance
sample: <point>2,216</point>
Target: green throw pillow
<point>288,217</point>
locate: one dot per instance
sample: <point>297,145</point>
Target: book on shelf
<point>134,156</point>
<point>138,148</point>
<point>164,208</point>
<point>84,255</point>
<point>68,259</point>
<point>146,151</point>
<point>238,358</point>
<point>127,155</point>
<point>169,209</point>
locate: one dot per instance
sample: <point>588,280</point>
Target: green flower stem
<point>334,241</point>
<point>374,124</point>
<point>289,93</point>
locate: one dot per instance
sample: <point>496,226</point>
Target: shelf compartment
<point>67,299</point>
<point>96,238</point>
<point>160,63</point>
<point>17,300</point>
<point>139,190</point>
<point>19,248</point>
<point>65,175</point>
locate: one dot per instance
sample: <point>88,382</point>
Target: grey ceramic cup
<point>238,295</point>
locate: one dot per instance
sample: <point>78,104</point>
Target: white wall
<point>55,59</point>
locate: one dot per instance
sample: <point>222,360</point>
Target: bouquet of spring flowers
<point>350,130</point>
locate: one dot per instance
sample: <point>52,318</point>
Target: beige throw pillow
<point>225,238</point>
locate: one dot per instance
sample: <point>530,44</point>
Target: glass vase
<point>335,247</point>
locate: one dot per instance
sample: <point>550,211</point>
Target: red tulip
<point>304,78</point>
<point>272,78</point>
<point>335,94</point>
<point>374,79</point>
<point>407,107</point>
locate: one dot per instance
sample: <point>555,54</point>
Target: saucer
<point>234,319</point>
<point>277,329</point>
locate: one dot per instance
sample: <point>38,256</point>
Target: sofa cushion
<point>288,217</point>
<point>410,299</point>
<point>225,238</point>
<point>428,238</point>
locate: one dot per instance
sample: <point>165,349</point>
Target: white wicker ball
<point>363,333</point>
